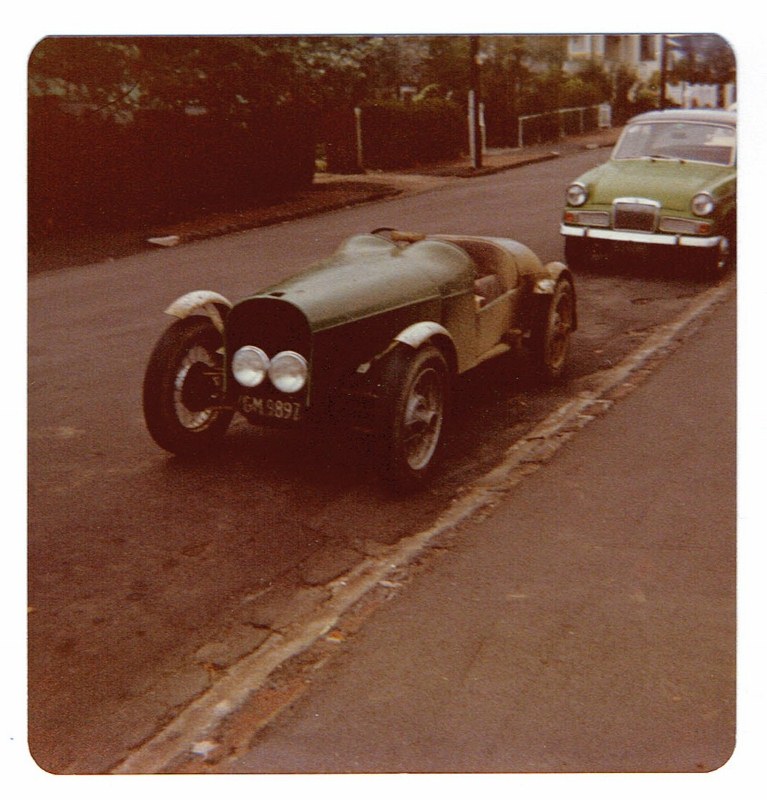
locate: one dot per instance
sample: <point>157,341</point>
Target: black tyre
<point>577,253</point>
<point>183,386</point>
<point>550,337</point>
<point>414,406</point>
<point>718,260</point>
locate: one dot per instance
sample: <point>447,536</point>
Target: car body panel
<point>672,183</point>
<point>368,275</point>
<point>473,297</point>
<point>645,198</point>
<point>372,337</point>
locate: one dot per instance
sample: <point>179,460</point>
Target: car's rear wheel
<point>415,393</point>
<point>550,337</point>
<point>182,388</point>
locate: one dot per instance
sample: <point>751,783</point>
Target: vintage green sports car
<point>373,334</point>
<point>669,189</point>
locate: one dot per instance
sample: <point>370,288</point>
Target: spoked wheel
<point>183,388</point>
<point>414,408</point>
<point>550,340</point>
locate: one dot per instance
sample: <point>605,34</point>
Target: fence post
<point>472,128</point>
<point>358,134</point>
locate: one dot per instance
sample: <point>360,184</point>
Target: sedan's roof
<point>717,116</point>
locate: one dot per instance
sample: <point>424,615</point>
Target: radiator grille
<point>635,216</point>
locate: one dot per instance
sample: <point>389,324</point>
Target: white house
<point>641,53</point>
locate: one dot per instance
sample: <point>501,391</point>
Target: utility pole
<point>663,70</point>
<point>475,138</point>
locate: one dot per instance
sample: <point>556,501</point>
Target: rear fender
<point>204,303</point>
<point>545,284</point>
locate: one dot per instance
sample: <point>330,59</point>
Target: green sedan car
<point>668,190</point>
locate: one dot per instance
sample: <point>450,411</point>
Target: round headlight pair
<point>703,204</point>
<point>287,370</point>
<point>577,194</point>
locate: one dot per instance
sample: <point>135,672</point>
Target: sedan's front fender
<point>202,302</point>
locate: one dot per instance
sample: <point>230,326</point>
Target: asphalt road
<point>150,577</point>
<point>585,624</point>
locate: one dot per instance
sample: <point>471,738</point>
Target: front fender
<point>416,335</point>
<point>203,302</point>
<point>419,333</point>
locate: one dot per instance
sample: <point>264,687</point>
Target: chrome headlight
<point>577,194</point>
<point>703,204</point>
<point>288,371</point>
<point>250,365</point>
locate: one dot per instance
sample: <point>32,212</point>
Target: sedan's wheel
<point>577,253</point>
<point>719,259</point>
<point>414,404</point>
<point>550,338</point>
<point>182,388</point>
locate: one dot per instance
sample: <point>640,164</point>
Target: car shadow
<point>668,267</point>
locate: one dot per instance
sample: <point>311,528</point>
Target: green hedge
<point>161,165</point>
<point>397,134</point>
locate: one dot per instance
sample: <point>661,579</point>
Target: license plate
<point>271,408</point>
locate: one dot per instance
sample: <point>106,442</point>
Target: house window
<point>579,44</point>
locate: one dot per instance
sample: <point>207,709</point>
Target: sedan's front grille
<point>635,215</point>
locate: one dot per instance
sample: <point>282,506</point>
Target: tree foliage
<point>119,75</point>
<point>702,58</point>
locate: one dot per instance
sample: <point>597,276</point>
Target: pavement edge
<point>191,733</point>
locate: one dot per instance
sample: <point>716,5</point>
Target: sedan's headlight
<point>288,371</point>
<point>577,194</point>
<point>703,204</point>
<point>250,365</point>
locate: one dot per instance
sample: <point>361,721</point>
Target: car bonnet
<point>672,183</point>
<point>369,274</point>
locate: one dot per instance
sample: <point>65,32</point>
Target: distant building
<point>640,52</point>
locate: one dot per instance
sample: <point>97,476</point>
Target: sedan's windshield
<point>683,141</point>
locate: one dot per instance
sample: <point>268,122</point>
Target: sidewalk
<point>329,192</point>
<point>587,624</point>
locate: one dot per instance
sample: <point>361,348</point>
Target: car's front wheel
<point>550,337</point>
<point>716,261</point>
<point>577,253</point>
<point>182,388</point>
<point>415,393</point>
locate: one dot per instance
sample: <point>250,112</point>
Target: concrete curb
<point>186,736</point>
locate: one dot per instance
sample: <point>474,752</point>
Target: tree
<point>702,58</point>
<point>119,75</point>
<point>93,72</point>
<point>446,64</point>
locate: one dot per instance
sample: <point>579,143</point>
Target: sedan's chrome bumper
<point>675,240</point>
